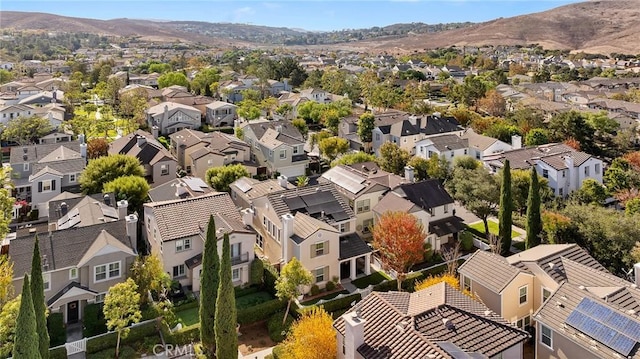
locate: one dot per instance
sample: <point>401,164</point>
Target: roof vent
<point>25,150</point>
<point>581,287</point>
<point>448,324</point>
<point>631,312</point>
<point>402,326</point>
<point>559,304</point>
<point>487,313</point>
<point>551,265</point>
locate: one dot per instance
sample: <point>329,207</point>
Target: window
<point>178,271</point>
<point>377,137</point>
<point>164,170</point>
<point>465,151</point>
<point>72,177</point>
<point>235,274</point>
<point>236,248</point>
<point>260,241</point>
<point>295,150</point>
<point>586,170</point>
<point>546,336</point>
<point>546,293</point>
<point>73,273</point>
<point>366,225</point>
<point>564,173</point>
<point>363,206</point>
<point>183,245</point>
<point>270,154</point>
<point>100,297</point>
<point>467,283</point>
<point>522,294</point>
<point>522,323</point>
<point>318,249</point>
<point>343,227</point>
<point>46,279</point>
<point>47,186</point>
<point>446,208</point>
<point>561,192</point>
<point>283,154</point>
<point>545,173</point>
<point>106,271</point>
<point>319,273</point>
<point>477,155</point>
<point>148,223</point>
<point>597,168</point>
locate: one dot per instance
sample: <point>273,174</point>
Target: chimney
<point>132,228</point>
<point>155,131</point>
<point>279,128</point>
<point>165,115</point>
<point>247,216</point>
<point>516,142</point>
<point>107,199</point>
<point>282,180</point>
<point>353,334</point>
<point>287,232</point>
<point>122,208</point>
<point>636,270</point>
<point>64,208</point>
<point>409,173</point>
<point>83,150</point>
<point>81,138</point>
<point>141,140</point>
<point>181,189</point>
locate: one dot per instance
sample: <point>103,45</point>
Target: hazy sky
<point>304,14</point>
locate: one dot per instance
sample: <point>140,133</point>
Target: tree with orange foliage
<point>555,226</point>
<point>97,147</point>
<point>311,337</point>
<point>493,103</point>
<point>399,239</point>
<point>573,143</point>
<point>634,159</point>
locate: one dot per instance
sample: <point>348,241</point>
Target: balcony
<point>242,258</point>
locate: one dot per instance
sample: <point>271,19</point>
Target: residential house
<point>159,164</point>
<point>516,286</point>
<point>220,114</point>
<point>454,71</point>
<point>198,151</point>
<point>447,146</point>
<point>182,187</point>
<point>79,264</point>
<point>170,117</point>
<point>53,112</point>
<point>10,112</point>
<point>277,145</point>
<point>564,167</point>
<point>42,98</point>
<point>74,210</point>
<point>481,146</point>
<point>313,224</point>
<point>436,322</point>
<point>179,239</point>
<point>245,190</point>
<point>41,172</point>
<point>432,206</point>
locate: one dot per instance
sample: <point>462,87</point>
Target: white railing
<point>78,346</point>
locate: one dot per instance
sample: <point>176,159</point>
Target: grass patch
<point>478,228</point>
<point>373,278</point>
<point>189,316</point>
<point>253,299</point>
<point>325,297</point>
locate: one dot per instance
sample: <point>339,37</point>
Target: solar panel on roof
<point>294,203</point>
<point>317,198</point>
<point>243,184</point>
<point>332,207</point>
<point>340,216</point>
<point>605,325</point>
<point>196,184</point>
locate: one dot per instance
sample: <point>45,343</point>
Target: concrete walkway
<point>257,355</point>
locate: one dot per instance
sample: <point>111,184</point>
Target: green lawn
<point>493,228</point>
<point>373,278</point>
<point>191,316</point>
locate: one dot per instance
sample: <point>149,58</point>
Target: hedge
<point>275,327</point>
<point>260,312</point>
<point>241,292</point>
<point>185,306</point>
<point>58,353</point>
<point>334,305</point>
<point>94,322</point>
<point>57,332</point>
<point>186,335</point>
<point>109,340</point>
<point>270,277</point>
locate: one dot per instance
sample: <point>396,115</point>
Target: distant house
<point>454,71</point>
<point>10,112</point>
<point>79,265</point>
<point>179,239</point>
<point>447,146</point>
<point>159,164</point>
<point>220,114</point>
<point>436,322</point>
<point>184,187</point>
<point>170,117</point>
<point>481,146</point>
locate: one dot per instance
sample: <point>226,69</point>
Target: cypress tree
<point>209,289</point>
<point>506,209</point>
<point>25,346</point>
<point>226,316</point>
<point>534,223</point>
<point>37,295</point>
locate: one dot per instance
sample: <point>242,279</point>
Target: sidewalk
<point>257,355</point>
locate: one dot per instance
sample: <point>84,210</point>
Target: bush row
<point>57,332</point>
<point>334,305</point>
<point>58,353</point>
<point>260,312</point>
<point>241,292</point>
<point>136,333</point>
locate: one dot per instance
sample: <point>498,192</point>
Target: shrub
<point>331,286</point>
<point>315,290</point>
<point>94,322</point>
<point>270,277</point>
<point>58,353</point>
<point>241,292</point>
<point>260,312</point>
<point>428,252</point>
<point>466,241</point>
<point>278,352</point>
<point>256,272</point>
<point>126,352</point>
<point>107,341</point>
<point>277,331</point>
<point>57,332</point>
<point>186,335</point>
<point>341,303</point>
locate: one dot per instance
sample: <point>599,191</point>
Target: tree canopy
<point>149,275</point>
<point>26,130</point>
<point>134,189</point>
<point>221,177</point>
<point>393,158</point>
<point>122,308</point>
<point>173,78</point>
<point>209,282</point>
<point>333,146</point>
<point>106,169</point>
<point>26,340</point>
<point>226,316</point>
<point>311,337</point>
<point>354,157</point>
<point>292,277</point>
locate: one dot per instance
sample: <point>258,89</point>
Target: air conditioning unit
<point>359,228</point>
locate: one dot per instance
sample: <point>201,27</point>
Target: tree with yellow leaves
<point>451,280</point>
<point>311,337</point>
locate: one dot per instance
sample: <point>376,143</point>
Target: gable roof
<point>35,153</point>
<point>63,248</point>
<point>172,226</point>
<point>304,226</point>
<point>259,127</point>
<point>179,188</point>
<point>553,154</point>
<point>447,142</point>
<point>489,269</point>
<point>476,140</point>
<point>149,151</point>
<point>322,202</point>
<point>410,325</point>
<point>434,124</point>
<point>427,194</point>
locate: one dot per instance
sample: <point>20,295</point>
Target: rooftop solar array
<point>605,325</point>
<point>243,184</point>
<point>346,179</point>
<point>314,204</point>
<point>70,219</point>
<point>196,184</point>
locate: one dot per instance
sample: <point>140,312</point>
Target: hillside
<point>594,26</point>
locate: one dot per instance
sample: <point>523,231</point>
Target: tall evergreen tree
<point>506,210</point>
<point>534,222</point>
<point>226,316</point>
<point>26,331</point>
<point>37,295</point>
<point>209,289</point>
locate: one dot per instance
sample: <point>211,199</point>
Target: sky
<point>312,15</point>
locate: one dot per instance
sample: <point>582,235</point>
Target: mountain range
<point>593,26</point>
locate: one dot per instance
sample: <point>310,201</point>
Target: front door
<point>72,312</point>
